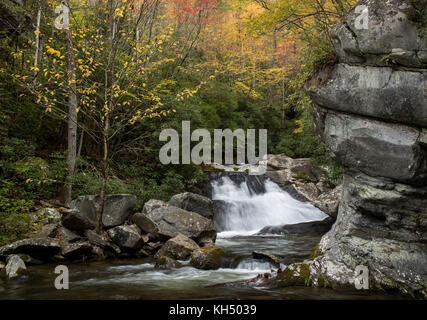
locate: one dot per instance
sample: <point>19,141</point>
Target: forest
<point>82,105</point>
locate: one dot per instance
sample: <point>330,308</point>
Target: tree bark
<point>72,116</point>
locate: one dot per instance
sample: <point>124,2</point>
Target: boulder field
<point>164,231</point>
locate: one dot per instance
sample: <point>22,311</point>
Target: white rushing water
<point>245,212</point>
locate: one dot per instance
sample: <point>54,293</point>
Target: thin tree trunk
<point>80,143</point>
<point>72,116</point>
<point>36,55</point>
<point>106,122</point>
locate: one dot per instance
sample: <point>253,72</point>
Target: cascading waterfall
<point>244,204</point>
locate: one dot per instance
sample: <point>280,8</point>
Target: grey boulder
<point>171,221</point>
<point>39,248</point>
<point>126,237</point>
<point>194,203</point>
<point>207,258</point>
<point>75,220</point>
<point>179,247</point>
<point>15,267</point>
<point>117,208</point>
<point>392,34</point>
<point>77,251</point>
<point>97,240</point>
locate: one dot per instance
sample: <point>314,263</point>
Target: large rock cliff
<point>370,108</point>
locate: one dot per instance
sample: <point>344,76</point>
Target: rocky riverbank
<point>166,231</point>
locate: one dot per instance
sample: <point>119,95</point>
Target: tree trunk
<point>72,116</point>
<point>104,177</point>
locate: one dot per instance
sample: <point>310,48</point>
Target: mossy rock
<point>208,258</point>
<point>297,274</point>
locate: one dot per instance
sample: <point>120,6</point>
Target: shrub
<point>14,214</point>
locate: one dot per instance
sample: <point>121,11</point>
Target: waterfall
<point>244,204</point>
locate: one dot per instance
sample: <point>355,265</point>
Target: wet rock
<point>15,267</point>
<point>117,208</point>
<point>179,247</point>
<point>207,258</point>
<point>126,237</point>
<point>75,220</point>
<point>194,203</point>
<point>268,257</point>
<point>97,240</point>
<point>77,251</point>
<point>164,262</point>
<point>50,230</point>
<point>171,221</point>
<point>305,228</point>
<point>39,248</point>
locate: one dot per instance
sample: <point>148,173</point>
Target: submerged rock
<point>194,203</point>
<point>39,248</point>
<point>207,258</point>
<point>305,228</point>
<point>179,247</point>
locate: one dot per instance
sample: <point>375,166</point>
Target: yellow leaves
<point>119,12</point>
<point>53,52</point>
<point>32,68</point>
<point>300,127</point>
<point>28,180</point>
<point>36,32</point>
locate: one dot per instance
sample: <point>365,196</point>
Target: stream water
<point>244,206</point>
